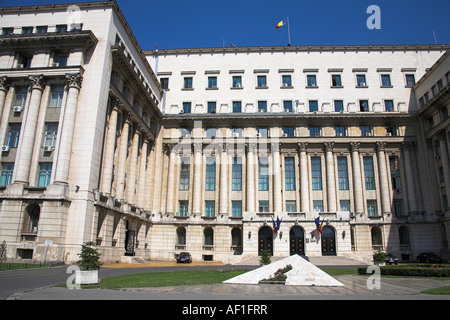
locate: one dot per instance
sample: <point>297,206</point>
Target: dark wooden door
<point>297,241</point>
<point>265,240</point>
<point>328,242</point>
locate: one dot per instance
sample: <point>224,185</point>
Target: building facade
<point>151,153</point>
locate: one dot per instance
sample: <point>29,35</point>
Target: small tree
<point>3,251</point>
<point>89,257</point>
<point>378,257</point>
<point>265,257</point>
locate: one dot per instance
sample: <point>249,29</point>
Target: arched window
<point>208,237</point>
<point>377,240</point>
<point>31,220</point>
<point>403,233</point>
<point>236,237</point>
<point>181,236</point>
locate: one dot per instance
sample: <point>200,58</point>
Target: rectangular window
<point>186,107</point>
<point>237,132</point>
<point>344,205</point>
<point>372,208</point>
<point>237,175</point>
<point>313,106</point>
<point>287,81</point>
<point>184,175</point>
<point>386,80</point>
<point>336,80</point>
<point>164,83</point>
<point>365,131</point>
<point>289,169</point>
<point>338,105</point>
<point>311,80</point>
<point>391,131</point>
<point>340,131</point>
<point>187,83</point>
<point>287,106</point>
<point>21,96</point>
<point>263,174</point>
<point>211,133</point>
<point>361,80</point>
<point>61,28</point>
<point>398,208</point>
<point>56,96</point>
<point>314,131</point>
<point>318,205</point>
<point>45,173</point>
<point>7,31</point>
<point>263,132</point>
<point>212,82</point>
<point>369,175</point>
<point>14,135</point>
<point>212,107</point>
<point>395,173</point>
<point>262,106</point>
<point>237,106</point>
<point>236,208</point>
<point>51,131</point>
<point>262,81</point>
<point>342,173</point>
<point>210,174</point>
<point>61,60</point>
<point>237,82</point>
<point>316,173</point>
<point>291,206</point>
<point>363,105</point>
<point>183,208</point>
<point>7,173</point>
<point>389,105</point>
<point>410,80</point>
<point>263,206</point>
<point>288,131</point>
<point>27,30</point>
<point>210,208</point>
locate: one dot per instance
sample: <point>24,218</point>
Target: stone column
<point>108,162</point>
<point>251,148</point>
<point>357,182</point>
<point>142,171</point>
<point>4,87</point>
<point>123,150</point>
<point>170,148</point>
<point>276,169</point>
<point>384,184</point>
<point>304,184</point>
<point>67,128</point>
<point>197,192</point>
<point>410,184</point>
<point>223,206</point>
<point>442,136</point>
<point>331,181</point>
<point>24,154</point>
<point>132,167</point>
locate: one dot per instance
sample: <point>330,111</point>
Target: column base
<point>58,189</point>
<point>16,188</point>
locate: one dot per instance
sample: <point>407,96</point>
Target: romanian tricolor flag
<point>318,224</point>
<point>282,23</point>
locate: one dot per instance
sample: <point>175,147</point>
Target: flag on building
<point>276,225</point>
<point>318,224</point>
<point>282,23</point>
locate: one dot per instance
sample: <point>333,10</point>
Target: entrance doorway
<point>129,241</point>
<point>328,242</point>
<point>297,241</point>
<point>265,240</point>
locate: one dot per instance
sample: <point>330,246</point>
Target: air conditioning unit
<point>238,85</point>
<point>368,134</point>
<point>260,110</point>
<point>285,84</point>
<point>235,135</point>
<point>362,84</point>
<point>213,111</point>
<point>339,134</point>
<point>389,134</point>
<point>48,148</point>
<point>181,111</point>
<point>317,134</point>
<point>285,135</point>
<point>287,110</point>
<point>17,109</point>
<point>5,148</point>
<point>258,135</point>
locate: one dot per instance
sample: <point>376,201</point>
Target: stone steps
<point>318,261</point>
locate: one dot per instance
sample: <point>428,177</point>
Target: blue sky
<point>212,23</point>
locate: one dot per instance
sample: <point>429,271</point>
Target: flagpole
<point>289,32</point>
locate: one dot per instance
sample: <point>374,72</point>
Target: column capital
<point>250,147</point>
<point>329,146</point>
<point>302,146</point>
<point>275,146</point>
<point>116,104</point>
<point>169,147</point>
<point>128,117</point>
<point>381,146</point>
<point>4,84</point>
<point>354,146</point>
<point>37,82</point>
<point>198,146</point>
<point>74,80</point>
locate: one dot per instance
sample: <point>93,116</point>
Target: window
<point>263,206</point>
<point>398,208</point>
<point>342,173</point>
<point>338,105</point>
<point>262,106</point>
<point>7,173</point>
<point>262,82</point>
<point>263,132</point>
<point>389,105</point>
<point>7,31</point>
<point>60,60</point>
<point>27,30</point>
<point>236,237</point>
<point>21,96</point>
<point>237,106</point>
<point>210,174</point>
<point>210,208</point>
<point>51,131</point>
<point>291,206</point>
<point>318,205</point>
<point>410,80</point>
<point>45,173</point>
<point>236,207</point>
<point>184,175</point>
<point>369,173</point>
<point>313,106</point>
<point>183,208</point>
<point>289,169</point>
<point>395,173</point>
<point>288,131</point>
<point>365,131</point>
<point>237,82</point>
<point>181,236</point>
<point>41,29</point>
<point>187,83</point>
<point>186,107</point>
<point>363,105</point>
<point>391,131</point>
<point>286,81</point>
<point>440,84</point>
<point>212,82</point>
<point>316,173</point>
<point>386,80</point>
<point>340,131</point>
<point>372,208</point>
<point>212,107</point>
<point>314,131</point>
<point>336,80</point>
<point>361,80</point>
<point>208,234</point>
<point>311,80</point>
<point>211,133</point>
<point>31,219</point>
<point>56,96</point>
<point>237,174</point>
<point>164,83</point>
<point>287,105</point>
<point>237,132</point>
<point>263,174</point>
<point>344,205</point>
<point>61,28</point>
<point>14,135</point>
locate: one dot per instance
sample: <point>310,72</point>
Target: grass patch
<point>438,291</point>
<point>7,266</point>
<point>166,279</point>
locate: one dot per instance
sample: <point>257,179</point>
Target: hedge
<point>412,270</point>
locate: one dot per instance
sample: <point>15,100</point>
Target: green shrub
<point>412,271</point>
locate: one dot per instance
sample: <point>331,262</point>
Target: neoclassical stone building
<point>151,153</point>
